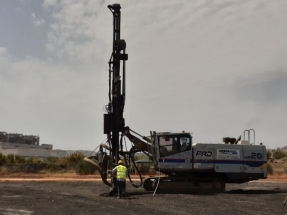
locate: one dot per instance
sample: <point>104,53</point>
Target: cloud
<point>3,51</point>
<point>74,34</point>
<point>39,22</point>
<point>264,89</point>
<point>50,3</point>
<point>51,100</point>
<point>200,66</point>
<point>36,21</point>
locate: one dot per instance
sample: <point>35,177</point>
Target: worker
<point>184,146</point>
<point>122,172</point>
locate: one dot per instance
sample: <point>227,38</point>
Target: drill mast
<point>114,122</point>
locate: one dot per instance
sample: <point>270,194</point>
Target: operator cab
<point>173,143</point>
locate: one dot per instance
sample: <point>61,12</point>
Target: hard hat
<point>120,162</point>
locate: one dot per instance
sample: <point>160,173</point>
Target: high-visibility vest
<point>121,172</point>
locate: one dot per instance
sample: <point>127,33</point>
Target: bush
<point>51,159</point>
<point>74,162</point>
<point>140,156</point>
<point>269,154</point>
<point>37,160</point>
<point>53,168</point>
<point>75,158</point>
<point>278,154</point>
<point>33,161</point>
<point>2,159</point>
<point>55,164</point>
<point>19,160</point>
<point>84,168</point>
<point>269,169</point>
<point>144,168</point>
<point>10,159</point>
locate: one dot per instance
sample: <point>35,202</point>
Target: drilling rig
<point>187,166</point>
<point>114,122</point>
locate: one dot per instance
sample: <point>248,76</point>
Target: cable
<point>110,165</point>
<point>129,163</point>
<point>125,143</point>
<point>97,147</point>
<point>133,162</point>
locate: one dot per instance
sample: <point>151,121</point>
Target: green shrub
<point>55,164</point>
<point>51,159</point>
<point>73,162</point>
<point>144,168</point>
<point>64,163</point>
<point>140,156</point>
<point>10,159</point>
<point>84,168</point>
<point>34,160</point>
<point>53,167</point>
<point>29,160</point>
<point>269,169</point>
<point>278,154</point>
<point>37,160</point>
<point>2,159</point>
<point>75,158</point>
<point>269,154</point>
<point>19,160</point>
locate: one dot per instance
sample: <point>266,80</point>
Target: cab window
<point>173,144</point>
<point>185,144</point>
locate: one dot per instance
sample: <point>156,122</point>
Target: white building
<point>28,150</point>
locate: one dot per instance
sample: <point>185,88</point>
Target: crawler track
<point>183,184</point>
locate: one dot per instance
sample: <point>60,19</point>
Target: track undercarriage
<point>183,184</point>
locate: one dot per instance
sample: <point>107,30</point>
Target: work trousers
<point>121,188</point>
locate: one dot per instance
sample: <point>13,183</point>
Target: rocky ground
<point>89,197</point>
<point>41,193</point>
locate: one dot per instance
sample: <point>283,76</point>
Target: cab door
<point>175,151</point>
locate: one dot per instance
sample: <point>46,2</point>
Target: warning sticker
<point>232,154</point>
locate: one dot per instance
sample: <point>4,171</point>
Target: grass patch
<point>269,169</point>
<point>71,163</point>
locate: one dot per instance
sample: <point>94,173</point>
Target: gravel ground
<point>78,198</point>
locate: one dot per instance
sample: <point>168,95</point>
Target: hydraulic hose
<point>132,159</point>
<point>128,162</point>
<point>103,175</point>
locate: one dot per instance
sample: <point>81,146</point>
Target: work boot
<point>118,197</point>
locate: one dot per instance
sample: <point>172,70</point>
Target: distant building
<point>27,146</point>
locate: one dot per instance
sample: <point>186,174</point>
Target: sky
<point>212,68</point>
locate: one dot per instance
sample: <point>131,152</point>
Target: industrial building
<point>27,146</point>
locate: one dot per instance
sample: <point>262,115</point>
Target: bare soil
<point>91,197</point>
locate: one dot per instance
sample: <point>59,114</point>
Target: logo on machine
<point>254,156</point>
<point>228,154</point>
<point>204,153</point>
<point>228,151</point>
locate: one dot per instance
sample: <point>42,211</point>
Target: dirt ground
<point>90,197</point>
